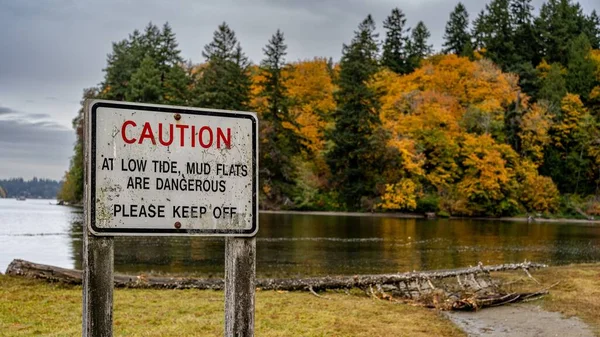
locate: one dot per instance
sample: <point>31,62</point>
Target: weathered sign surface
<point>163,170</point>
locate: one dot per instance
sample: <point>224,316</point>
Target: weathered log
<point>70,276</point>
<point>414,279</point>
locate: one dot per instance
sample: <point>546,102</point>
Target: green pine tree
<point>224,83</point>
<point>167,53</point>
<point>279,143</point>
<point>559,22</point>
<point>480,31</point>
<point>395,55</point>
<point>145,85</point>
<point>127,56</point>
<point>177,83</point>
<point>457,35</point>
<point>553,87</point>
<point>498,39</point>
<point>418,48</point>
<point>351,158</point>
<point>521,12</point>
<point>592,29</point>
<point>524,39</point>
<point>580,77</point>
<point>124,60</point>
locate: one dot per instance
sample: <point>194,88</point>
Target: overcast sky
<point>51,50</point>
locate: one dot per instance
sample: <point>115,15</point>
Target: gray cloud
<point>38,116</point>
<point>30,149</point>
<point>6,111</point>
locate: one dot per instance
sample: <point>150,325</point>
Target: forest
<point>504,120</point>
<point>34,188</point>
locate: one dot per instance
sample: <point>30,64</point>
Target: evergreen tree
<point>523,37</point>
<point>127,57</point>
<point>351,159</point>
<point>145,85</point>
<point>521,12</point>
<point>553,87</point>
<point>124,60</point>
<point>528,80</point>
<point>480,31</point>
<point>224,83</point>
<point>177,85</point>
<point>580,77</point>
<point>418,48</point>
<point>498,37</point>
<point>559,22</point>
<point>592,29</point>
<point>457,38</point>
<point>144,68</point>
<point>168,54</point>
<point>395,55</point>
<point>279,143</point>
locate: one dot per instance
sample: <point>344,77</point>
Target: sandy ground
<point>519,320</point>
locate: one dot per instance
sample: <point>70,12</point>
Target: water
<point>302,245</point>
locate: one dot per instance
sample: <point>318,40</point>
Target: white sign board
<point>164,170</point>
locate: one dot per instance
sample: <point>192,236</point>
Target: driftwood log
<point>411,282</point>
<point>469,288</point>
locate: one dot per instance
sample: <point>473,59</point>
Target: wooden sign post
<point>163,170</point>
<point>240,276</point>
<point>97,286</point>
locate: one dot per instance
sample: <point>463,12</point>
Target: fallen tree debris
<point>454,289</point>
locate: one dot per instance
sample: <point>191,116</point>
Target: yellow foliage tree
<point>595,94</point>
<point>309,92</point>
<point>310,89</point>
<point>535,125</point>
<point>537,193</point>
<point>423,114</point>
<point>572,123</point>
<point>488,179</point>
<point>400,196</point>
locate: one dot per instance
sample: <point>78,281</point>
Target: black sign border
<point>165,231</point>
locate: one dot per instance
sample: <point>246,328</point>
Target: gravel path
<point>519,320</point>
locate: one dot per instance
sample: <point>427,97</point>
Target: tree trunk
<point>411,281</point>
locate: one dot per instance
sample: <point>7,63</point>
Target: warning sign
<point>164,170</point>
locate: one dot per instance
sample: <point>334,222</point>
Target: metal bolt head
<point>177,116</point>
<point>178,225</point>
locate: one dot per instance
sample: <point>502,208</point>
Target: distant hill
<point>34,188</point>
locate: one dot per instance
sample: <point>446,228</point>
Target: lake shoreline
<point>400,215</point>
<point>421,216</point>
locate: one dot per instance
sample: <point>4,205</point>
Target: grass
<point>577,294</point>
<point>36,308</point>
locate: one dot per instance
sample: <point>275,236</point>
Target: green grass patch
<point>36,308</point>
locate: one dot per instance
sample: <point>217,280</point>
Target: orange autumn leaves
<point>443,127</point>
<point>310,92</point>
<point>442,121</point>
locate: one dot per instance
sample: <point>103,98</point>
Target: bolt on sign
<point>164,170</point>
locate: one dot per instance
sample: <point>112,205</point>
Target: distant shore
<point>420,216</point>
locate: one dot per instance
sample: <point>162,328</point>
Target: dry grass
<point>34,308</point>
<point>577,294</point>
